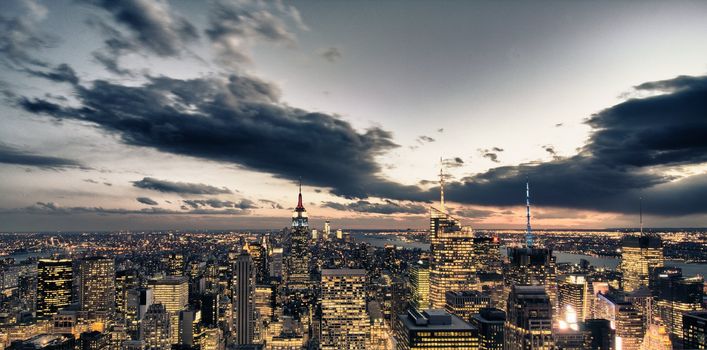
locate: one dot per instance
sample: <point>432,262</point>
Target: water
<point>562,257</point>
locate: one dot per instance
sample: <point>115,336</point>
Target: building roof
<point>343,272</point>
<point>433,320</point>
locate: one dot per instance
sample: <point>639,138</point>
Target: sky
<point>136,114</point>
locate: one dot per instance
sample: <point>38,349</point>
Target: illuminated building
<point>452,251</point>
<point>694,330</point>
<point>212,339</point>
<point>487,255</point>
<point>125,280</point>
<point>420,284</point>
<point>656,338</point>
<point>340,234</point>
<point>528,319</point>
<point>573,291</point>
<point>188,327</point>
<point>570,339</point>
<point>132,345</point>
<point>173,293</point>
<point>244,299</point>
<point>490,323</point>
<point>298,257</point>
<point>639,255</point>
<point>175,264</point>
<point>466,303</point>
<point>156,329</point>
<point>94,341</point>
<point>601,335</point>
<point>97,287</point>
<point>54,284</point>
<point>209,309</point>
<point>327,230</point>
<point>315,235</point>
<point>434,329</point>
<point>276,263</point>
<point>624,318</point>
<point>380,332</point>
<point>345,323</point>
<point>674,297</point>
<point>259,255</point>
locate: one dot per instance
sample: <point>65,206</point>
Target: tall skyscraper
<point>175,264</point>
<point>640,255</point>
<point>173,293</point>
<point>491,324</point>
<point>466,303</point>
<point>573,296</point>
<point>434,329</point>
<point>675,295</point>
<point>694,330</point>
<point>345,323</point>
<point>209,309</point>
<point>623,317</point>
<point>529,319</point>
<point>298,258</point>
<point>600,334</point>
<point>420,284</point>
<point>260,262</point>
<point>97,287</point>
<point>156,328</point>
<point>54,285</point>
<point>327,230</point>
<point>276,263</point>
<point>244,298</point>
<point>487,255</point>
<point>125,280</point>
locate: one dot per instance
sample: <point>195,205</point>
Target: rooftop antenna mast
<point>441,184</point>
<point>529,232</point>
<point>640,213</point>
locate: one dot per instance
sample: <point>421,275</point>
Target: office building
<point>601,335</point>
<point>345,323</point>
<point>490,323</point>
<point>97,286</point>
<point>244,299</point>
<point>276,267</point>
<point>639,255</point>
<point>694,330</point>
<point>466,303</point>
<point>125,280</point>
<point>175,264</point>
<point>573,294</point>
<point>674,296</point>
<point>54,285</point>
<point>260,262</point>
<point>625,318</point>
<point>209,309</point>
<point>327,230</point>
<point>529,319</point>
<point>298,257</point>
<point>420,284</point>
<point>487,255</point>
<point>656,338</point>
<point>173,293</point>
<point>156,328</point>
<point>434,329</point>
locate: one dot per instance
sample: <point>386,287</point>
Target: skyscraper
<point>420,284</point>
<point>490,323</point>
<point>434,329</point>
<point>466,303</point>
<point>573,294</point>
<point>125,280</point>
<point>276,263</point>
<point>175,264</point>
<point>244,298</point>
<point>694,330</point>
<point>173,293</point>
<point>529,319</point>
<point>327,231</point>
<point>260,263</point>
<point>623,317</point>
<point>97,287</point>
<point>639,255</point>
<point>297,262</point>
<point>156,328</point>
<point>675,295</point>
<point>345,323</point>
<point>600,334</point>
<point>54,284</point>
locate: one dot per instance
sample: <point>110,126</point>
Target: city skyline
<point>180,115</point>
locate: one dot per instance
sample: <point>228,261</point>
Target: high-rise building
<point>529,319</point>
<point>487,255</point>
<point>639,255</point>
<point>600,334</point>
<point>209,309</point>
<point>173,293</point>
<point>156,328</point>
<point>466,303</point>
<point>434,329</point>
<point>276,263</point>
<point>694,330</point>
<point>656,338</point>
<point>420,284</point>
<point>625,318</point>
<point>97,287</point>
<point>125,280</point>
<point>260,262</point>
<point>380,338</point>
<point>327,230</point>
<point>175,264</point>
<point>673,296</point>
<point>491,324</point>
<point>244,299</point>
<point>573,296</point>
<point>54,285</point>
<point>345,323</point>
<point>298,257</point>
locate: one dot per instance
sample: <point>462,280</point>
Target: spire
<point>529,231</point>
<point>299,198</point>
<point>640,213</point>
<point>441,184</point>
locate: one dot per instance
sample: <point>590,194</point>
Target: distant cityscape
<point>300,287</point>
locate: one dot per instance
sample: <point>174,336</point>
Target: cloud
<point>60,74</point>
<point>422,139</point>
<point>272,204</point>
<point>19,36</point>
<point>472,213</point>
<point>11,155</point>
<point>235,26</point>
<point>631,146</point>
<point>388,207</point>
<point>217,203</point>
<point>550,149</point>
<point>51,208</point>
<point>151,183</point>
<point>491,154</point>
<point>455,162</point>
<point>237,120</point>
<point>331,54</point>
<point>146,200</point>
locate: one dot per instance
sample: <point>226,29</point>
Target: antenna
<point>529,231</point>
<point>299,197</point>
<point>640,213</point>
<point>441,184</point>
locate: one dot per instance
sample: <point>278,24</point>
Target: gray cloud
<point>491,154</point>
<point>331,54</point>
<point>51,208</point>
<point>272,204</point>
<point>388,207</point>
<point>11,155</point>
<point>217,203</point>
<point>146,200</point>
<point>61,74</point>
<point>151,183</point>
<point>422,139</point>
<point>19,36</point>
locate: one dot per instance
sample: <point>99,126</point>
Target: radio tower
<point>529,232</point>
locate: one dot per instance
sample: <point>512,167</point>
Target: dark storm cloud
<point>389,207</point>
<point>550,149</point>
<point>51,208</point>
<point>60,74</point>
<point>491,154</point>
<point>331,54</point>
<point>151,183</point>
<point>631,143</point>
<point>471,213</point>
<point>217,203</point>
<point>11,155</point>
<point>19,36</point>
<point>146,200</point>
<point>237,120</point>
<point>152,24</point>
